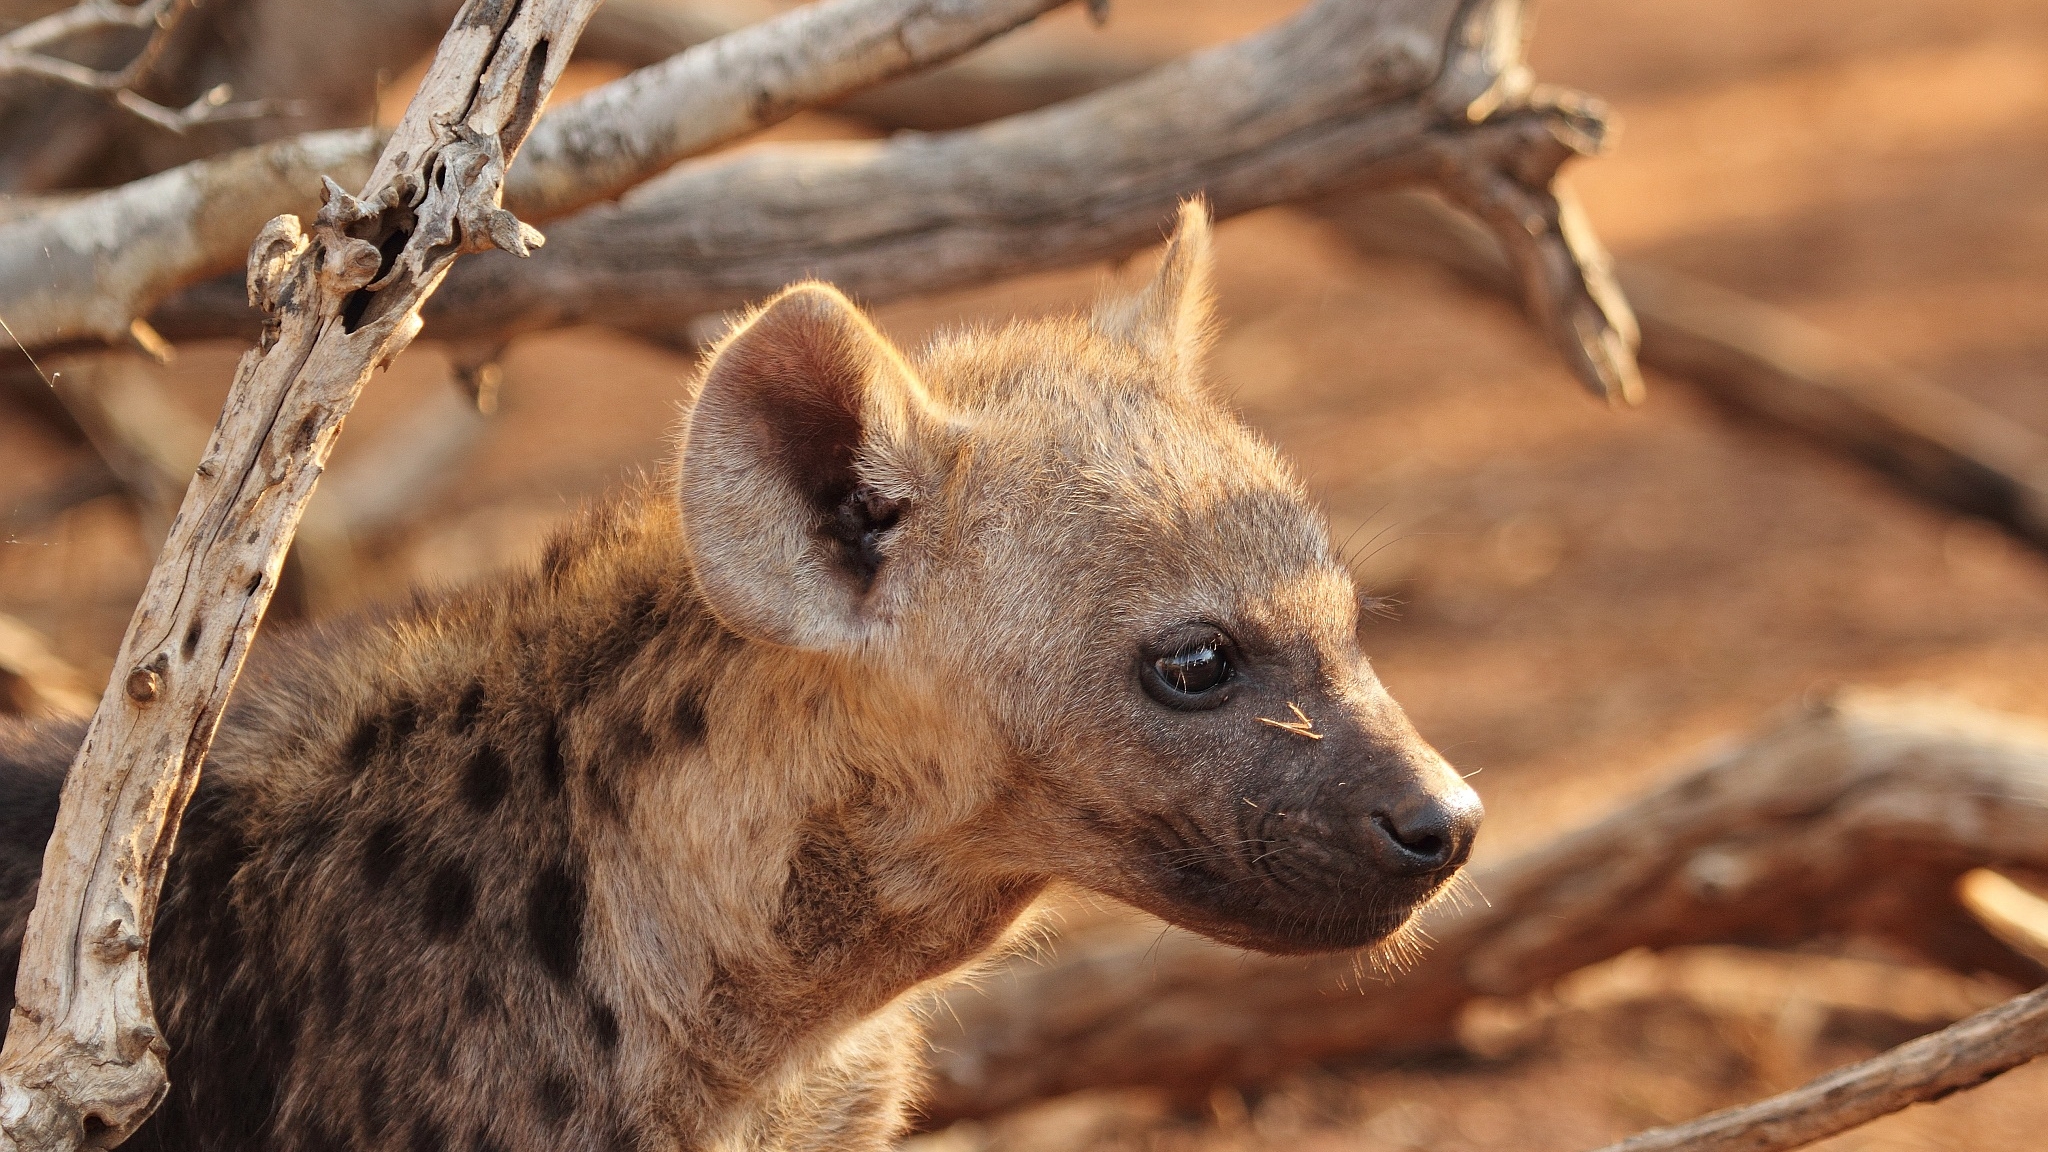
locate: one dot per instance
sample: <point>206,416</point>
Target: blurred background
<point>1579,597</point>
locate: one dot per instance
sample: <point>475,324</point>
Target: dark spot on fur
<point>477,996</point>
<point>556,1095</point>
<point>383,853</point>
<point>828,897</point>
<point>686,720</point>
<point>426,1136</point>
<point>554,768</point>
<point>404,721</point>
<point>469,707</point>
<point>485,780</point>
<point>370,1101</point>
<point>482,1142</point>
<point>554,920</point>
<point>361,746</point>
<point>605,1024</point>
<point>631,743</point>
<point>450,901</point>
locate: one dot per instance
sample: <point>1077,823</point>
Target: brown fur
<point>657,845</point>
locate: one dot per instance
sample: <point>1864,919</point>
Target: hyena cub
<point>653,847</point>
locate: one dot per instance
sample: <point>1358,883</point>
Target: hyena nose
<point>1426,834</point>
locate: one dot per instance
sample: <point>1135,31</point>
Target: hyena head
<point>1108,599</point>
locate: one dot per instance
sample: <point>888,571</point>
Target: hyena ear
<point>799,458</point>
<point>1172,317</point>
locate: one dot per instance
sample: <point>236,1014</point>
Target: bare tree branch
<point>1854,817</point>
<point>22,50</point>
<point>86,269</point>
<point>83,1062</point>
<point>1963,1055</point>
<point>1766,363</point>
<point>22,54</point>
<point>1341,96</point>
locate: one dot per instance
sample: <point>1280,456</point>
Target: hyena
<point>657,845</point>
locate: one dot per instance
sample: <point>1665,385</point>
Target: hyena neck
<point>582,770</point>
<point>782,842</point>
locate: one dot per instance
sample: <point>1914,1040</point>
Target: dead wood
<point>33,679</point>
<point>1850,818</point>
<point>1343,95</point>
<point>89,268</point>
<point>1963,1055</point>
<point>1001,79</point>
<point>83,1063</point>
<point>28,51</point>
<point>1770,365</point>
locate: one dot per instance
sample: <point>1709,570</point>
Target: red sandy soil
<point>1585,596</point>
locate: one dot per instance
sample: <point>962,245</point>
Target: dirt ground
<point>1584,596</point>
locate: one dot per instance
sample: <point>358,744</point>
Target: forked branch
<point>25,52</point>
<point>84,1063</point>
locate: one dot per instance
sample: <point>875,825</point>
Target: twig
<point>2008,911</point>
<point>83,1062</point>
<point>1963,1055</point>
<point>21,51</point>
<point>21,54</point>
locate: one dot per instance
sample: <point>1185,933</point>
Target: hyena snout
<point>1391,815</point>
<point>1422,831</point>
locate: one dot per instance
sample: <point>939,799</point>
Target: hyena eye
<point>1194,671</point>
<point>1188,676</point>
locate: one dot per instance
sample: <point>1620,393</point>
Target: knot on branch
<point>271,260</point>
<point>462,209</point>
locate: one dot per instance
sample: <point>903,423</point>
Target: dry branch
<point>1851,818</point>
<point>1769,364</point>
<point>23,53</point>
<point>90,267</point>
<point>1343,95</point>
<point>1003,79</point>
<point>83,1063</point>
<point>1963,1055</point>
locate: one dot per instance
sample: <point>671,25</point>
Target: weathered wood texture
<point>85,270</point>
<point>1343,95</point>
<point>83,1063</point>
<point>1770,365</point>
<point>1963,1055</point>
<point>1853,817</point>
